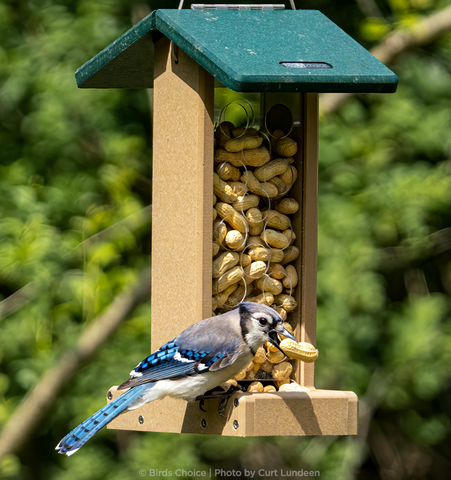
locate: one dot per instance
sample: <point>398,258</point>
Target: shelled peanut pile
<point>253,237</point>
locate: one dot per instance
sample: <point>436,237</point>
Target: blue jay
<point>202,357</point>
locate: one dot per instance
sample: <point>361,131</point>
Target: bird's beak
<point>274,339</point>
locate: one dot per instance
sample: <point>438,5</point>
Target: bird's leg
<point>223,404</point>
<point>224,395</point>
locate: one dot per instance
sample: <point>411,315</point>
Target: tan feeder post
<point>279,61</point>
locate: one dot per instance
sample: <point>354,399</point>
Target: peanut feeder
<point>260,176</point>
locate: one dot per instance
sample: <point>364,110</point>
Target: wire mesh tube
<point>254,239</point>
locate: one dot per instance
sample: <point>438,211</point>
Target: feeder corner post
<point>309,231</point>
<point>182,197</point>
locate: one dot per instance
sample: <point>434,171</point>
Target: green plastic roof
<point>247,51</point>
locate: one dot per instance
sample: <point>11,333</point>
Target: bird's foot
<point>224,395</point>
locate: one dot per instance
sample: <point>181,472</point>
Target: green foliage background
<point>74,163</point>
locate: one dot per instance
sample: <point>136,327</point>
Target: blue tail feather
<point>81,434</point>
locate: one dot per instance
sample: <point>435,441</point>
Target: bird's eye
<point>262,321</point>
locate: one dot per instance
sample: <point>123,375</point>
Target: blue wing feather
<point>208,344</point>
<point>170,361</point>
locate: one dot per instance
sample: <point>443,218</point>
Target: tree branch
<point>28,293</point>
<point>132,223</point>
<point>355,452</point>
<point>400,40</point>
<point>369,8</point>
<point>17,299</point>
<point>38,402</point>
<point>404,258</point>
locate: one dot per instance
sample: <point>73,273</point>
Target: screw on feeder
<point>141,419</point>
<point>110,395</point>
<point>236,402</point>
<point>204,423</point>
<point>236,424</point>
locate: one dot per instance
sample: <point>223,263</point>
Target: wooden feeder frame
<point>182,228</point>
